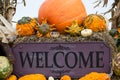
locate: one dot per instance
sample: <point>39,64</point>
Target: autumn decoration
<point>86,32</point>
<point>54,34</point>
<point>54,18</point>
<point>44,29</point>
<point>12,77</point>
<point>7,32</point>
<point>26,26</point>
<point>62,13</point>
<point>6,67</point>
<point>95,22</point>
<point>65,77</point>
<point>74,29</point>
<point>51,78</point>
<point>95,76</point>
<point>33,77</point>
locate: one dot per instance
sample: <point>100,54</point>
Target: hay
<point>99,36</point>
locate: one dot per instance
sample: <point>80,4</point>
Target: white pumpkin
<point>50,78</point>
<point>86,32</point>
<point>54,34</point>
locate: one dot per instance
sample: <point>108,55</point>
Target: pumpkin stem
<point>44,21</point>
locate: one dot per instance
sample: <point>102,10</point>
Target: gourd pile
<point>62,20</point>
<point>65,19</point>
<point>92,23</point>
<point>90,76</point>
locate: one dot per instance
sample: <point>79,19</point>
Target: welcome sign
<point>57,59</point>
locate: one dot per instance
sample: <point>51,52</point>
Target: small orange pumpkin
<point>12,77</point>
<point>95,76</point>
<point>62,12</point>
<point>65,77</point>
<point>95,22</point>
<point>26,26</point>
<point>33,77</point>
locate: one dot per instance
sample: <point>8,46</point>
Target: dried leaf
<point>98,3</point>
<point>4,29</point>
<point>110,10</point>
<point>4,39</point>
<point>7,32</point>
<point>11,37</point>
<point>6,23</point>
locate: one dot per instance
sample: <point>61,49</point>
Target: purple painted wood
<point>57,59</point>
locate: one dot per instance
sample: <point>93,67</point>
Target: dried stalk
<point>115,10</point>
<point>24,2</point>
<point>7,11</point>
<point>97,3</point>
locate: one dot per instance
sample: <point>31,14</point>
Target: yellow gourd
<point>74,29</point>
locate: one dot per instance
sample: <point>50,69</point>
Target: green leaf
<point>113,32</point>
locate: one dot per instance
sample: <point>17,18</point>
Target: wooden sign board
<point>57,59</point>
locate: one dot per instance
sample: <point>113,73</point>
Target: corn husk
<point>7,32</point>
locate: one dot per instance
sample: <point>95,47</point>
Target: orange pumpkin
<point>95,22</point>
<point>65,77</point>
<point>11,77</point>
<point>26,26</point>
<point>33,77</point>
<point>95,76</point>
<point>62,12</point>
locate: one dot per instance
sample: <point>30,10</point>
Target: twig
<point>98,3</point>
<point>14,21</point>
<point>24,2</point>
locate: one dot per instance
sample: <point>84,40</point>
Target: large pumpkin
<point>62,12</point>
